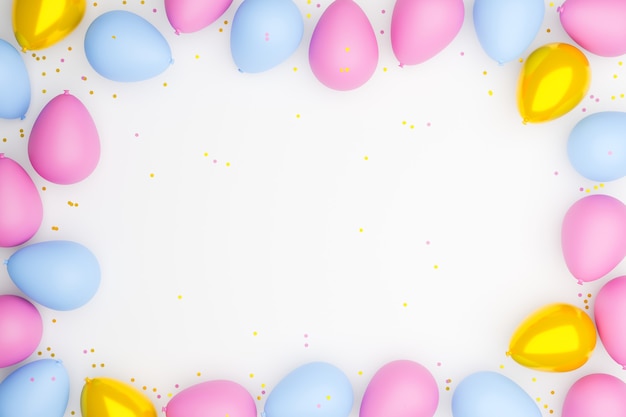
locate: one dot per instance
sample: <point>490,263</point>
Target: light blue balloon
<point>14,83</point>
<point>123,46</point>
<point>37,389</point>
<point>316,389</point>
<point>597,146</point>
<point>58,274</point>
<point>505,28</point>
<point>265,33</point>
<point>489,394</point>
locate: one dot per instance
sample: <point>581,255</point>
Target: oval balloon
<point>38,24</point>
<point>420,29</point>
<point>610,315</point>
<point>593,236</point>
<point>21,328</point>
<point>596,395</point>
<point>265,33</point>
<point>212,398</point>
<point>401,388</point>
<point>556,338</point>
<point>37,389</point>
<point>343,52</point>
<point>489,394</point>
<point>64,146</point>
<point>123,46</point>
<point>14,83</point>
<point>58,274</point>
<point>107,397</point>
<point>316,389</point>
<point>193,15</point>
<point>506,28</point>
<point>553,80</point>
<point>21,209</point>
<point>596,25</point>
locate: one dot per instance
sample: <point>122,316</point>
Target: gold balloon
<point>557,338</point>
<point>553,80</point>
<point>106,397</point>
<point>37,24</point>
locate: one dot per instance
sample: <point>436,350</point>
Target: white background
<point>232,214</point>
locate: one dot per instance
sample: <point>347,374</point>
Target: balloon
<point>557,338</point>
<point>610,315</point>
<point>58,274</point>
<point>38,24</point>
<point>343,52</point>
<point>553,80</point>
<point>505,28</point>
<point>14,83</point>
<point>420,29</point>
<point>212,398</point>
<point>37,389</point>
<point>593,236</point>
<point>401,389</point>
<point>64,146</point>
<point>123,46</point>
<point>596,25</point>
<point>21,328</point>
<point>265,33</point>
<point>489,394</point>
<point>596,395</point>
<point>316,389</point>
<point>106,397</point>
<point>21,209</point>
<point>192,15</point>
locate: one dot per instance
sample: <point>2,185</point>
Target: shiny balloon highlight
<point>14,83</point>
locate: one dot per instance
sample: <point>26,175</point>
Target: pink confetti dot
<point>591,96</point>
<point>62,59</point>
<point>584,109</point>
<point>154,10</point>
<point>32,379</point>
<point>581,189</point>
<point>263,392</point>
<point>136,135</point>
<point>556,172</point>
<point>319,5</point>
<point>176,386</point>
<point>306,345</point>
<point>319,406</point>
<point>438,363</point>
<point>597,100</point>
<point>54,378</point>
<point>85,351</point>
<point>383,11</point>
<point>382,32</point>
<point>462,53</point>
<point>306,335</point>
<point>610,153</point>
<point>215,161</point>
<point>159,396</point>
<point>428,124</point>
<point>428,242</point>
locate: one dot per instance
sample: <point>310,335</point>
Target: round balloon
<point>107,397</point>
<point>193,15</point>
<point>14,83</point>
<point>610,315</point>
<point>21,328</point>
<point>596,395</point>
<point>212,398</point>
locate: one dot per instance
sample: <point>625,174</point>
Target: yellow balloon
<point>106,397</point>
<point>37,24</point>
<point>557,338</point>
<point>553,80</point>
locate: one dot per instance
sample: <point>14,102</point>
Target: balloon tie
<point>525,121</point>
<point>509,353</point>
<point>580,282</point>
<point>6,261</point>
<point>164,409</point>
<point>2,155</point>
<point>88,380</point>
<point>401,65</point>
<point>22,117</point>
<point>559,9</point>
<point>177,32</point>
<point>66,92</point>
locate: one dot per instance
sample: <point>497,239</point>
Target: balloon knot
<point>177,32</point>
<point>240,70</point>
<point>580,282</point>
<point>66,92</point>
<point>164,409</point>
<point>525,121</point>
<point>88,380</point>
<point>172,61</point>
<point>508,353</point>
<point>1,155</point>
<point>22,117</point>
<point>401,65</point>
<point>6,261</point>
<point>559,9</point>
<point>24,49</point>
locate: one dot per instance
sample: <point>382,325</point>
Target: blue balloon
<point>58,274</point>
<point>14,83</point>
<point>505,28</point>
<point>37,389</point>
<point>597,146</point>
<point>489,394</point>
<point>123,46</point>
<point>265,33</point>
<point>316,389</point>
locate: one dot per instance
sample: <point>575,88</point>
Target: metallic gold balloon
<point>37,24</point>
<point>556,338</point>
<point>106,397</point>
<point>553,80</point>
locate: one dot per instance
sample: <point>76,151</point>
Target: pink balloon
<point>596,25</point>
<point>610,316</point>
<point>593,236</point>
<point>596,395</point>
<point>420,29</point>
<point>193,15</point>
<point>212,398</point>
<point>401,389</point>
<point>21,210</point>
<point>64,146</point>
<point>21,328</point>
<point>343,52</point>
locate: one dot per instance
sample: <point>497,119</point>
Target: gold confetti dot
<point>538,399</point>
<point>91,92</point>
<point>490,92</point>
<point>154,390</point>
<point>101,365</point>
<point>227,164</point>
<point>4,139</point>
<point>436,267</point>
<point>412,126</point>
<point>206,154</point>
<point>404,122</point>
<point>384,69</point>
<point>44,91</point>
<point>54,320</point>
<point>548,30</point>
<point>484,72</point>
<point>55,228</point>
<point>328,398</point>
<point>225,22</point>
<point>144,388</point>
<point>114,95</point>
<point>170,395</point>
<point>366,157</point>
<point>39,353</point>
<point>180,297</point>
<point>308,15</point>
<point>551,4</point>
<point>447,388</point>
<point>199,374</point>
<point>361,230</point>
<point>404,304</point>
<point>501,366</point>
<point>298,116</point>
<point>43,74</point>
<point>619,63</point>
<point>58,70</point>
<point>360,373</point>
<point>552,392</point>
<point>95,4</point>
<point>262,385</point>
<point>295,69</point>
<point>251,375</point>
<point>614,75</point>
<point>347,49</point>
<point>221,30</point>
<point>534,379</point>
<point>254,333</point>
<point>151,175</point>
<point>93,365</point>
<point>132,380</point>
<point>164,84</point>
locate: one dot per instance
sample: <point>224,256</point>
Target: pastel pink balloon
<point>610,316</point>
<point>596,395</point>
<point>212,398</point>
<point>401,388</point>
<point>420,29</point>
<point>21,329</point>
<point>343,52</point>
<point>593,236</point>
<point>64,146</point>
<point>596,25</point>
<point>21,209</point>
<point>193,15</point>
